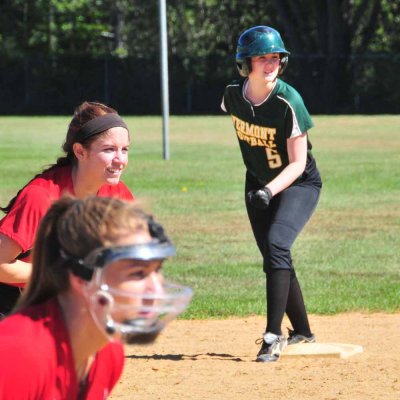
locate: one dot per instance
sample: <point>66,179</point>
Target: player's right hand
<point>259,198</point>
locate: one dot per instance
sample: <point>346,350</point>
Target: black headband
<point>100,124</point>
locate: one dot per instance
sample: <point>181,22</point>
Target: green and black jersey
<point>262,130</point>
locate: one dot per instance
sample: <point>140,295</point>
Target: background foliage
<point>345,54</point>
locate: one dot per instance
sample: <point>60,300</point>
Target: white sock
<point>269,337</point>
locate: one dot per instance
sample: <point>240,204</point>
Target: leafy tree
<point>342,51</point>
<point>337,35</point>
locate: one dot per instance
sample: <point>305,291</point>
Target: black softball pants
<point>275,230</point>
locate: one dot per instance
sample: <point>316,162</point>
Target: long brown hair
<point>77,227</point>
<point>82,114</point>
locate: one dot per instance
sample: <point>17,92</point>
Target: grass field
<point>347,258</point>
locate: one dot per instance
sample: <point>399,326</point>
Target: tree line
<point>345,54</point>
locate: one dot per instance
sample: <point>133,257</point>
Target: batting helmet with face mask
<point>258,41</point>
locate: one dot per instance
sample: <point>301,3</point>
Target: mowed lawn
<point>347,258</point>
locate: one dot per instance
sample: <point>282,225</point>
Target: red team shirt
<point>37,359</point>
<point>22,222</point>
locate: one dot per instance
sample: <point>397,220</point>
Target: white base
<point>335,350</point>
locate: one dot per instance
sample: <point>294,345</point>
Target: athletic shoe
<point>295,338</point>
<point>271,347</point>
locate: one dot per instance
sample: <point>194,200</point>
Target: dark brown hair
<point>82,114</point>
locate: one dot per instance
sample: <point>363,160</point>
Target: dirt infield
<point>214,360</point>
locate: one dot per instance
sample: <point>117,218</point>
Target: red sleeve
<point>22,375</point>
<point>17,364</point>
<point>22,222</point>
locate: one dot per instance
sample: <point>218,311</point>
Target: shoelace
<point>291,333</point>
<point>264,345</point>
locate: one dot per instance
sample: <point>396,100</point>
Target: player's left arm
<point>297,153</point>
<point>12,270</point>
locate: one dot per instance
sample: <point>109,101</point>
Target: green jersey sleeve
<point>297,119</point>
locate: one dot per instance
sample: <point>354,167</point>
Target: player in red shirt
<point>96,283</point>
<point>96,153</point>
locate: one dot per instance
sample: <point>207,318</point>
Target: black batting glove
<point>259,198</point>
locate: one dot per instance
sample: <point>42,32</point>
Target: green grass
<point>347,257</point>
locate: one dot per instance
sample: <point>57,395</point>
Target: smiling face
<point>103,161</point>
<point>265,68</point>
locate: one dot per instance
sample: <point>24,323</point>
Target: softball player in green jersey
<point>282,180</point>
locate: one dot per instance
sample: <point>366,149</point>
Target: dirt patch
<point>214,360</point>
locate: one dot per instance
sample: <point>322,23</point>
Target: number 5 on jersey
<point>274,159</point>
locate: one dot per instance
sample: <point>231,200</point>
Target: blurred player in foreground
<point>96,284</point>
<point>96,153</point>
<point>282,180</point>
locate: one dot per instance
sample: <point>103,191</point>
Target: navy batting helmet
<point>258,41</point>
